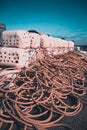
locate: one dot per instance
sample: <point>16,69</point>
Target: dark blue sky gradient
<point>62,18</point>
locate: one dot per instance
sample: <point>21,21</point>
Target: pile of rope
<point>39,96</point>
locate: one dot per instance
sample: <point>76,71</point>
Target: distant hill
<point>82,47</point>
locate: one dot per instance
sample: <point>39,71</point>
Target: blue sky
<point>62,18</point>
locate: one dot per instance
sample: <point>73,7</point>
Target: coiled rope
<point>42,94</point>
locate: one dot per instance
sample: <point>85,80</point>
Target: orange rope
<point>44,89</point>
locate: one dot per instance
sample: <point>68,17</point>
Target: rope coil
<point>51,86</point>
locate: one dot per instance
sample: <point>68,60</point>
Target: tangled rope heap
<point>42,94</point>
